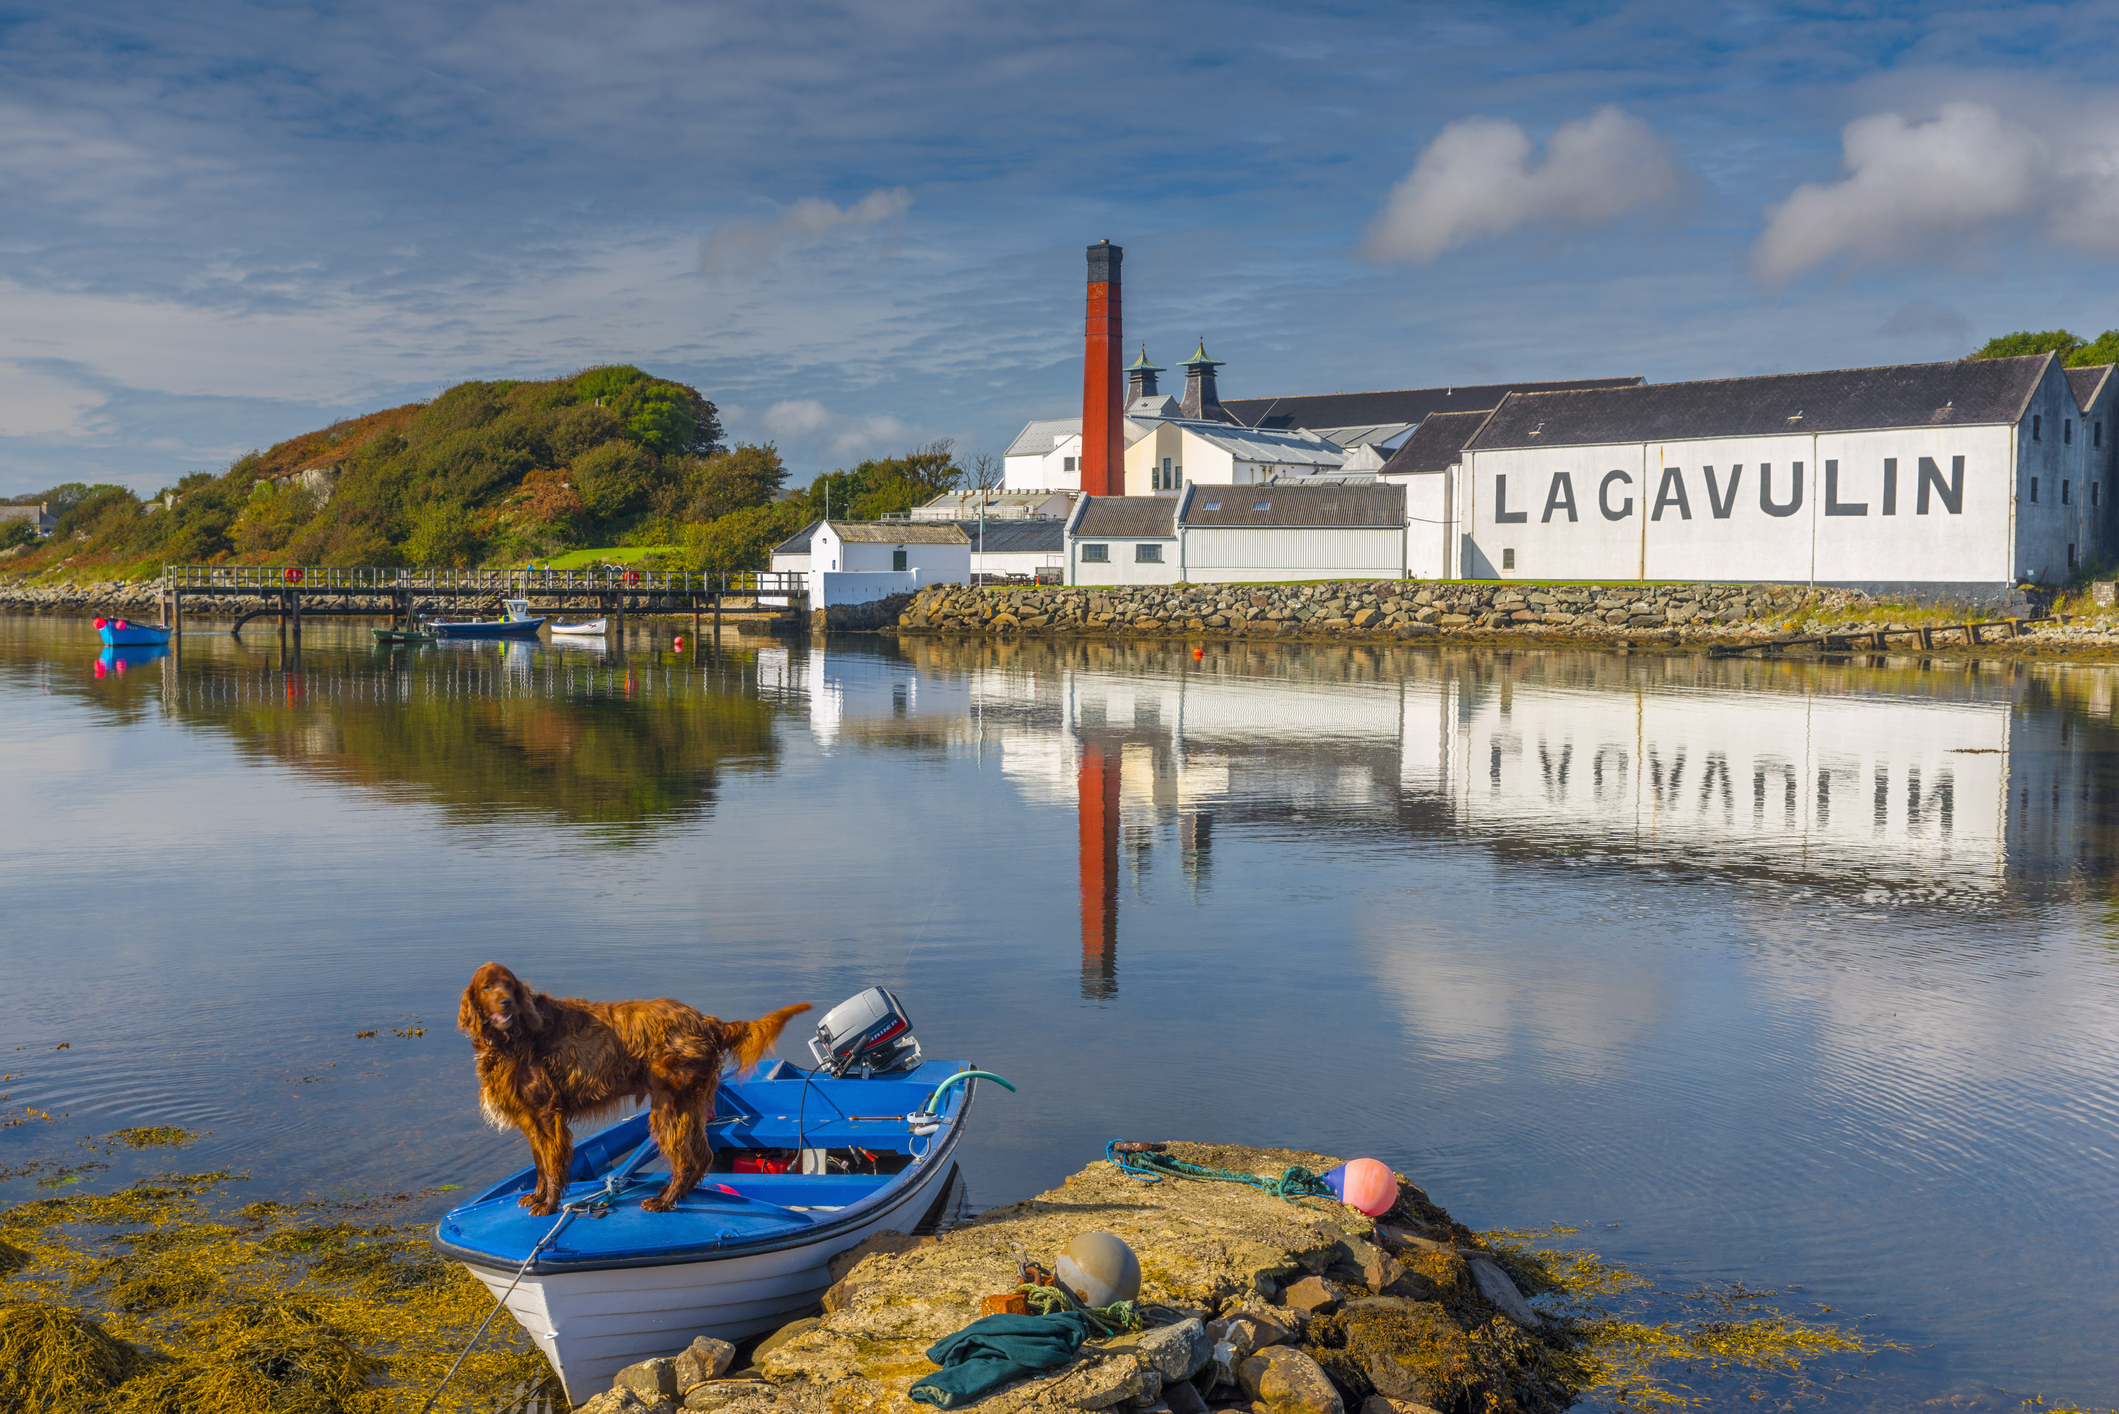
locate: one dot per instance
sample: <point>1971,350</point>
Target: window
<point>2034,490</point>
<point>1261,505</point>
<point>2067,431</point>
<point>897,559</point>
<point>1212,506</point>
<point>2071,557</point>
<point>2096,434</point>
<point>2037,427</point>
<point>1508,559</point>
<point>2064,487</point>
<point>1096,554</point>
<point>1073,465</point>
<point>1147,554</point>
<point>2093,493</point>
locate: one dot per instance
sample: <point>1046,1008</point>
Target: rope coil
<point>1294,1184</point>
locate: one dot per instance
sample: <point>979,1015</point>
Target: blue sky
<point>860,227</point>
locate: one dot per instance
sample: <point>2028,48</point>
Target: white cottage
<point>1941,481</point>
<point>859,562</point>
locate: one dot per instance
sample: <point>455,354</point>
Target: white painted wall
<point>1251,555</point>
<point>1124,566</point>
<point>872,564</point>
<point>1046,472</point>
<point>1430,529</point>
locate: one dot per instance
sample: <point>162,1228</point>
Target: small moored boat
<point>122,633</point>
<point>587,627</point>
<point>519,622</point>
<point>405,635</point>
<point>806,1164</point>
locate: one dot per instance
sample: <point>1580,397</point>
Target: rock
<point>705,1359</point>
<point>1175,1352</point>
<point>1283,1380</point>
<point>650,1379</point>
<point>1099,1384</point>
<point>1496,1286</point>
<point>621,1400</point>
<point>786,1333</point>
<point>1313,1294</point>
<point>1182,1398</point>
<point>1409,1350</point>
<point>889,1241</point>
<point>1380,1404</point>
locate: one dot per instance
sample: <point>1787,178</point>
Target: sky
<point>859,228</point>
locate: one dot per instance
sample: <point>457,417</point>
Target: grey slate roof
<point>1282,504</point>
<point>2090,384</point>
<point>898,532</point>
<point>1037,439</point>
<point>1127,516</point>
<point>1407,405</point>
<point>1965,393</point>
<point>798,543</point>
<point>1436,443</point>
<point>1014,537</point>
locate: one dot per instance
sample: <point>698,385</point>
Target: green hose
<point>929,1107</point>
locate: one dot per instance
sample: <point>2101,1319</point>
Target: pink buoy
<point>1366,1185</point>
<point>101,621</point>
<point>123,625</point>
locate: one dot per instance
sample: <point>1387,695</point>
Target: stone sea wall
<point>1381,609</point>
<point>1252,1303</point>
<point>21,595</point>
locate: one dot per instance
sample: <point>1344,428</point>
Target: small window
<point>1072,465</point>
<point>1508,559</point>
<point>2067,431</point>
<point>1212,506</point>
<point>2096,434</point>
<point>1261,505</point>
<point>897,559</point>
<point>2093,493</point>
<point>1096,554</point>
<point>2034,490</point>
<point>2071,557</point>
<point>2037,427</point>
<point>2065,487</point>
<point>1147,554</point>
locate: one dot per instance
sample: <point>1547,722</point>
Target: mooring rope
<point>1293,1185</point>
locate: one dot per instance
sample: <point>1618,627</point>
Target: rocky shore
<point>1253,1303</point>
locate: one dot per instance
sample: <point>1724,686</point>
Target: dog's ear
<point>532,1014</point>
<point>470,1017</point>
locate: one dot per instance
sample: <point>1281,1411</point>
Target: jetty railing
<point>508,583</point>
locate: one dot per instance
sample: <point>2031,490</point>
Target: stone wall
<point>1376,609</point>
<point>20,594</point>
<point>878,613</point>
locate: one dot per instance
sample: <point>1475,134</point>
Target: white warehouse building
<point>1239,535</point>
<point>1935,481</point>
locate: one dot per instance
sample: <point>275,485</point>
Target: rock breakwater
<point>1380,609</point>
<point>1254,1303</point>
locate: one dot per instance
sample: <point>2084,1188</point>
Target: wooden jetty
<point>1876,640</point>
<point>292,593</point>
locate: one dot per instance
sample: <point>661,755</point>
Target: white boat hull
<point>592,1324</point>
<point>596,628</point>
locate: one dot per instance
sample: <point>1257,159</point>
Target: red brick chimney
<point>1103,394</point>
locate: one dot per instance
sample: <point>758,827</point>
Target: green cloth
<point>997,1350</point>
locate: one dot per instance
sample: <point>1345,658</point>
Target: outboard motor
<point>869,1032</point>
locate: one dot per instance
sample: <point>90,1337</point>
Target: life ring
<point>632,577</point>
<point>294,574</point>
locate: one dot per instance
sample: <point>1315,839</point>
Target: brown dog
<point>543,1061</point>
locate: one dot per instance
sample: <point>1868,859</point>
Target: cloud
<point>745,245</point>
<point>34,403</point>
<point>841,434</point>
<point>1478,180</point>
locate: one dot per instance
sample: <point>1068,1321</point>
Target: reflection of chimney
<point>1195,844</point>
<point>1097,795</point>
<point>1103,432</point>
<point>1140,378</point>
<point>1201,398</point>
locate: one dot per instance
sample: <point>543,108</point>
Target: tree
<point>884,486</point>
<point>741,540</point>
<point>614,478</point>
<point>2073,351</point>
<point>442,537</point>
<point>731,481</point>
<point>986,472</point>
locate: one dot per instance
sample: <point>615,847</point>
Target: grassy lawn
<point>610,554</point>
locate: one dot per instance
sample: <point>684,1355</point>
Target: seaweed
<point>57,1359</point>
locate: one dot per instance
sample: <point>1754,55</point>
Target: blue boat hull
<point>134,635</point>
<point>490,628</point>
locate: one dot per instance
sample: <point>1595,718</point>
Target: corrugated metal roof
<point>2089,384</point>
<point>1037,439</point>
<point>1367,435</point>
<point>1012,537</point>
<point>1966,393</point>
<point>1406,405</point>
<point>1287,448</point>
<point>1127,515</point>
<point>898,532</point>
<point>1436,443</point>
<point>1296,505</point>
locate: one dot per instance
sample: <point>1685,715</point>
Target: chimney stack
<point>1103,408</point>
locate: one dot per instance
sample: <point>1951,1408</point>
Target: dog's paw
<point>540,1208</point>
<point>656,1205</point>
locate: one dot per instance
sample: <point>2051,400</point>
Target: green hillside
<point>485,474</point>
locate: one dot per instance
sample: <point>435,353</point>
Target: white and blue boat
<point>123,633</point>
<point>806,1165</point>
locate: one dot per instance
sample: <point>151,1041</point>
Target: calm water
<point>1793,975</point>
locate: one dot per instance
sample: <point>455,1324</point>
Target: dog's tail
<point>758,1036</point>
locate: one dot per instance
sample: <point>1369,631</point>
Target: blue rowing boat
<point>122,633</point>
<point>518,623</point>
<point>805,1166</point>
